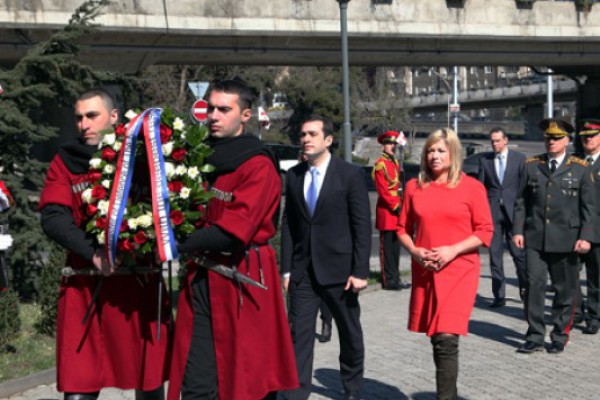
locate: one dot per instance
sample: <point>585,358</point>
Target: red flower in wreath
<point>179,154</point>
<point>165,133</point>
<point>175,186</point>
<point>124,226</point>
<point>109,154</point>
<point>140,237</point>
<point>101,223</point>
<point>176,217</point>
<point>120,130</point>
<point>125,245</point>
<point>98,192</point>
<point>93,176</point>
<point>91,209</point>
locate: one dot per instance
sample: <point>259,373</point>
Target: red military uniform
<point>6,199</point>
<point>252,341</point>
<point>117,346</point>
<point>386,175</point>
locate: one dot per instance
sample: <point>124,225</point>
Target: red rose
<point>165,133</point>
<point>175,186</point>
<point>101,223</point>
<point>178,154</point>
<point>93,176</point>
<point>124,245</point>
<point>120,131</point>
<point>124,226</point>
<point>176,217</point>
<point>91,209</point>
<point>140,237</point>
<point>109,154</point>
<point>98,192</point>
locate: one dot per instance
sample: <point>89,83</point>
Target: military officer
<point>589,135</point>
<point>554,221</point>
<point>386,175</point>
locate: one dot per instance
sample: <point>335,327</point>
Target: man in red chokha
<point>232,341</point>
<point>386,175</point>
<point>116,346</point>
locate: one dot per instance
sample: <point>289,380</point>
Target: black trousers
<point>502,232</point>
<point>304,299</point>
<point>389,258</point>
<point>563,269</point>
<point>591,261</point>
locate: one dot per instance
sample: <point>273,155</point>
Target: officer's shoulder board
<point>533,159</point>
<point>379,165</point>
<point>577,160</point>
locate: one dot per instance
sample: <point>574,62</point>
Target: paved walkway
<point>399,364</point>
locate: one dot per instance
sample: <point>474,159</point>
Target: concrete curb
<point>22,384</point>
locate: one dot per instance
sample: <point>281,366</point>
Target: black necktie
<point>553,164</point>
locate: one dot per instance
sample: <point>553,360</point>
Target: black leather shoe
<point>590,329</point>
<point>351,396</point>
<point>530,347</point>
<point>390,287</point>
<point>556,347</point>
<point>325,335</point>
<point>497,303</point>
<point>404,285</point>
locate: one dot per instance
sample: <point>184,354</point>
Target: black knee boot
<point>156,394</point>
<point>81,396</point>
<point>445,356</point>
<point>271,396</point>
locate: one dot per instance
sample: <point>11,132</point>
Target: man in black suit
<point>326,240</point>
<point>500,172</point>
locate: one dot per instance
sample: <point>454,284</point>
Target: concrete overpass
<point>135,34</point>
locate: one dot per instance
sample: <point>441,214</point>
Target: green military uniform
<point>553,211</point>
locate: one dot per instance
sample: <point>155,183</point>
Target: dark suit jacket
<point>506,192</point>
<point>554,210</point>
<point>595,169</point>
<point>337,239</point>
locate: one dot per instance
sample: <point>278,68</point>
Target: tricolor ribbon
<point>149,123</point>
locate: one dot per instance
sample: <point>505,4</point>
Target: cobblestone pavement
<point>399,363</point>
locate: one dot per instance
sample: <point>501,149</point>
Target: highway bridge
<point>135,34</point>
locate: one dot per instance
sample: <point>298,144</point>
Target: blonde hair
<point>452,141</point>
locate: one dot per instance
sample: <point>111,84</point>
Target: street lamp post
<point>345,79</point>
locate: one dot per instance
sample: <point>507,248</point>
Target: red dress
<point>436,215</point>
<point>253,344</point>
<point>117,347</point>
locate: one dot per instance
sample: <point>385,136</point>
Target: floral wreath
<point>184,152</point>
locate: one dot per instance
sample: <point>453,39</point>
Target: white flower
<point>180,170</point>
<point>178,124</point>
<point>185,193</point>
<point>167,148</point>
<point>144,220</point>
<point>103,207</point>
<point>109,169</point>
<point>86,196</point>
<point>109,139</point>
<point>106,183</point>
<point>169,170</point>
<point>130,114</point>
<point>117,145</point>
<point>95,163</point>
<point>193,172</point>
<point>132,223</point>
<point>101,238</point>
<point>182,136</point>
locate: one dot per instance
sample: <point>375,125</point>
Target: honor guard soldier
<point>589,135</point>
<point>386,175</point>
<point>554,221</point>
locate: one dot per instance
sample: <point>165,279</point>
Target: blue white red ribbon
<point>149,123</point>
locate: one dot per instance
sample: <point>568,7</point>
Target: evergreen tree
<point>49,75</point>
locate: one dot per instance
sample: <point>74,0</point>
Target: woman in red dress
<point>445,218</point>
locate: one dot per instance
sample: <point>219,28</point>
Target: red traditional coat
<point>253,344</point>
<point>386,175</point>
<point>117,347</point>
